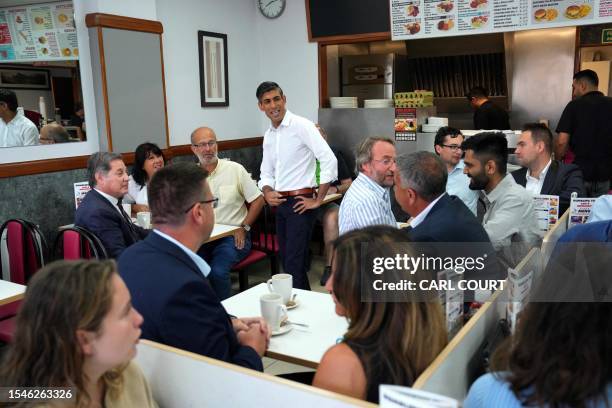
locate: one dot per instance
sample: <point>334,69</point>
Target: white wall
<point>235,18</point>
<point>286,57</point>
<point>259,50</point>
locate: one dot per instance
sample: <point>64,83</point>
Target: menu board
<point>443,18</point>
<point>40,32</point>
<point>547,211</point>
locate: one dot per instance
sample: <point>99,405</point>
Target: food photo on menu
<point>478,4</point>
<point>445,6</point>
<point>479,21</point>
<point>412,10</point>
<point>446,24</point>
<point>413,28</point>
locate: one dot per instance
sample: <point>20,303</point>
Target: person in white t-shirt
<point>15,130</point>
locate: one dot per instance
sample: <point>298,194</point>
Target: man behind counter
<point>585,127</point>
<point>487,115</point>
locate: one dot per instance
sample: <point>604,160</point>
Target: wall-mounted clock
<point>271,8</point>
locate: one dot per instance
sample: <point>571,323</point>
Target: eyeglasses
<point>452,147</point>
<point>202,145</point>
<point>385,162</point>
<point>214,201</point>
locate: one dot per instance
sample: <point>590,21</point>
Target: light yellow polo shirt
<point>233,185</point>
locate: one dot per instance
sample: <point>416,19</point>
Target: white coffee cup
<point>273,310</point>
<point>281,283</point>
<point>143,219</point>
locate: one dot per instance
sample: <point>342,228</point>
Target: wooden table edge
<point>11,299</point>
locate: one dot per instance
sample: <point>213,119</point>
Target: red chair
<point>264,236</point>
<point>25,247</point>
<point>75,242</point>
<point>243,277</point>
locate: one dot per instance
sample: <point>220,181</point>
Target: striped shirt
<point>365,203</point>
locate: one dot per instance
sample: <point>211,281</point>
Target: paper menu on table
<point>580,209</point>
<point>396,396</point>
<point>519,288</point>
<point>80,191</point>
<point>547,211</point>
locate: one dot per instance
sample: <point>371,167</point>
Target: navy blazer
<point>561,179</point>
<point>178,304</point>
<point>98,215</point>
<point>451,221</point>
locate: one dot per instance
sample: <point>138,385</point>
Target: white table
<point>331,197</point>
<point>222,231</point>
<point>10,292</point>
<point>303,346</point>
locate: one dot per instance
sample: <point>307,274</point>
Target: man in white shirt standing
<point>291,146</point>
<point>510,219</point>
<point>367,201</point>
<point>447,145</point>
<point>15,130</point>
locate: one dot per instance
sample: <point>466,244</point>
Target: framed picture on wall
<point>214,87</point>
<point>24,78</point>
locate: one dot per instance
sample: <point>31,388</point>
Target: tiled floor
<point>259,273</point>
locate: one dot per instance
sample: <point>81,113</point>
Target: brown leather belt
<point>301,191</point>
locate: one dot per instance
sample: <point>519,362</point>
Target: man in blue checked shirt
<point>367,201</point>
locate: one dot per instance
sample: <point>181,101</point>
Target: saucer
<point>292,304</point>
<point>283,329</point>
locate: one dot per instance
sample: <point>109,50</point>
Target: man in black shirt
<point>586,127</point>
<point>487,115</point>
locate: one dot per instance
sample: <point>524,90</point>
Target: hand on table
<point>239,238</point>
<point>255,337</point>
<point>304,204</point>
<point>274,198</point>
<point>245,323</point>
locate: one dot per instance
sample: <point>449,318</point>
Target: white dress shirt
<point>136,194</point>
<point>534,185</point>
<point>200,263</point>
<point>458,184</point>
<point>289,154</point>
<point>510,216</point>
<point>111,199</point>
<point>365,203</point>
<point>20,131</point>
<point>421,216</point>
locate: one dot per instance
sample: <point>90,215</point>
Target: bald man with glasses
<point>234,187</point>
<point>447,145</point>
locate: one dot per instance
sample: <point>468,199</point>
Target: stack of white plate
<point>378,103</point>
<point>427,128</point>
<point>343,102</point>
<point>433,124</point>
<point>437,121</point>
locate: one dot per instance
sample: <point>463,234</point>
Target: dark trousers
<point>221,255</point>
<point>294,231</point>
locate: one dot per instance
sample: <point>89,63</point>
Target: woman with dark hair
<point>560,356</point>
<point>148,158</point>
<point>387,342</point>
<point>77,328</point>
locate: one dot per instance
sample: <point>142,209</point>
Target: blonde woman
<point>77,328</point>
<point>386,342</point>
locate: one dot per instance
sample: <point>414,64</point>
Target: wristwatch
<point>246,227</point>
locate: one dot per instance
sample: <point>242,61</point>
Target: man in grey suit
<point>542,175</point>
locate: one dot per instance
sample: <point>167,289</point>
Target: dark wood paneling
<point>334,19</point>
<point>123,23</point>
<point>80,162</point>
